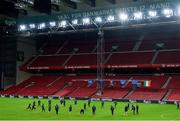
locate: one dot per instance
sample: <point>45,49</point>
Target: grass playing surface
<point>15,108</point>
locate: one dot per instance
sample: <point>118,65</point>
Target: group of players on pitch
<point>134,109</point>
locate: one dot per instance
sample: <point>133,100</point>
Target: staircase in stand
<point>109,56</point>
<point>23,88</point>
<point>58,51</point>
<point>65,86</point>
<point>167,82</point>
<point>54,81</point>
<point>154,57</point>
<point>167,95</point>
<point>95,48</point>
<point>128,94</point>
<point>32,61</point>
<point>70,56</point>
<point>137,45</point>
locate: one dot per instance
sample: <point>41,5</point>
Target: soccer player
<point>43,108</point>
<point>126,110</point>
<point>82,111</point>
<point>115,103</point>
<point>177,105</point>
<point>64,102</point>
<point>75,102</point>
<point>57,108</point>
<point>112,110</point>
<point>89,102</point>
<point>84,106</point>
<point>33,106</point>
<point>29,106</point>
<point>49,101</point>
<point>61,101</point>
<point>34,103</point>
<point>128,106</point>
<point>102,104</point>
<point>70,108</point>
<point>133,109</point>
<point>49,107</point>
<point>137,109</point>
<point>94,109</point>
<point>39,102</point>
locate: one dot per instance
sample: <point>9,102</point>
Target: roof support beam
<point>70,4</point>
<point>111,1</point>
<point>91,3</point>
<point>55,7</point>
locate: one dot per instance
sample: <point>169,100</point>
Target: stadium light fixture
<point>52,23</point>
<point>98,19</point>
<point>168,12</point>
<point>22,27</point>
<point>178,11</point>
<point>152,14</point>
<point>32,26</point>
<point>63,23</point>
<point>138,15</point>
<point>123,16</point>
<point>41,26</point>
<point>86,21</point>
<point>110,18</point>
<point>75,22</point>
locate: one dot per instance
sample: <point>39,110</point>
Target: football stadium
<point>90,60</point>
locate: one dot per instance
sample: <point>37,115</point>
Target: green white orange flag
<point>147,83</point>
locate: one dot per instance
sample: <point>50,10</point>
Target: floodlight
<point>168,12</point>
<point>22,27</point>
<point>52,24</point>
<point>32,26</point>
<point>138,15</point>
<point>75,22</point>
<point>86,21</point>
<point>123,16</point>
<point>98,19</point>
<point>110,18</point>
<point>63,23</point>
<point>152,14</point>
<point>42,25</point>
<point>178,11</point>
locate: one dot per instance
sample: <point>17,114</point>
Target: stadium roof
<point>18,8</point>
<point>33,13</point>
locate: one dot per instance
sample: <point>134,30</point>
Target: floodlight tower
<point>100,57</point>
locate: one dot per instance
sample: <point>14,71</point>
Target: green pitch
<point>14,108</point>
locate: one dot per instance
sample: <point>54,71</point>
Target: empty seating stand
<point>130,58</point>
<point>113,93</point>
<point>81,50</point>
<point>77,86</point>
<point>82,46</point>
<point>174,95</point>
<point>38,86</point>
<point>167,44</point>
<point>83,90</point>
<point>157,82</point>
<point>168,57</point>
<point>52,47</point>
<point>147,94</point>
<point>82,60</point>
<point>122,45</point>
<point>43,61</point>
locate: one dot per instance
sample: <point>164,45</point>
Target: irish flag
<point>147,83</point>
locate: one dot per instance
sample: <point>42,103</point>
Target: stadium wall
<point>26,47</point>
<point>8,61</point>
